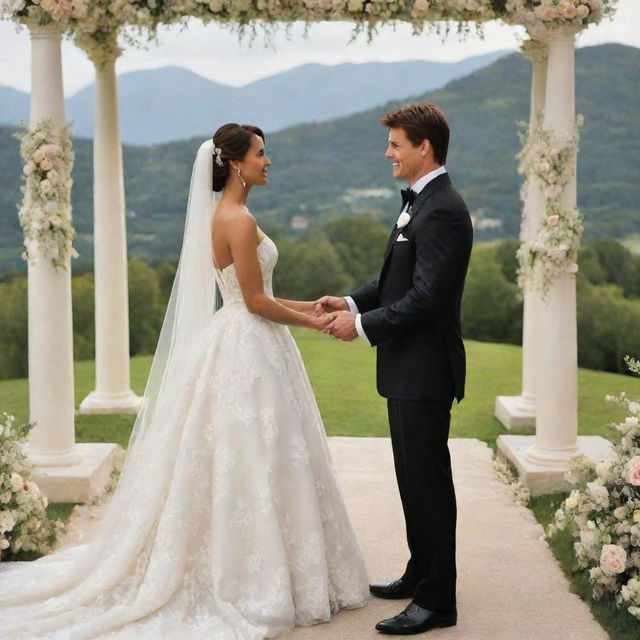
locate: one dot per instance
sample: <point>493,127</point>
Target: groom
<point>412,315</point>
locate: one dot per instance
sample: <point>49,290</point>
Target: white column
<point>557,383</point>
<point>112,393</point>
<point>542,460</point>
<point>520,411</point>
<point>51,392</point>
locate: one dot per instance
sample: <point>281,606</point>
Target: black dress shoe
<point>397,590</point>
<point>416,619</point>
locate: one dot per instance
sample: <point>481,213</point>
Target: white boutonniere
<point>403,220</point>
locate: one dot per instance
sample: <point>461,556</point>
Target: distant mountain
<point>335,168</point>
<point>171,103</point>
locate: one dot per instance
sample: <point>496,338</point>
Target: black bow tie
<point>408,196</point>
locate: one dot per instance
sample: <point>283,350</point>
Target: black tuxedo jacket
<point>412,312</point>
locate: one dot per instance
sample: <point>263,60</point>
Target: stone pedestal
<point>80,482</point>
<point>546,476</point>
<point>515,412</point>
<point>112,393</point>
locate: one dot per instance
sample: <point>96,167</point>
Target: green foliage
<point>145,311</point>
<point>491,310</point>
<point>82,293</point>
<point>360,243</point>
<point>14,329</point>
<point>308,270</point>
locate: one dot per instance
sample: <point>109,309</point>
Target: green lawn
<point>343,377</point>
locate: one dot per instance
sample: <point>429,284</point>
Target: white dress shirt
<point>417,186</point>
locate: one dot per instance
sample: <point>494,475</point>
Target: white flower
<point>619,512</point>
<point>603,469</point>
<point>5,497</point>
<point>613,559</point>
<point>598,492</point>
<point>17,482</point>
<point>571,502</point>
<point>7,521</point>
<point>634,407</point>
<point>403,220</point>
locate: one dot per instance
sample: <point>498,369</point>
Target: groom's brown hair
<point>420,122</point>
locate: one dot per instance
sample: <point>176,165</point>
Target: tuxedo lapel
<point>414,209</point>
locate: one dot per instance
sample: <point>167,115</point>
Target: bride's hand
<point>320,323</point>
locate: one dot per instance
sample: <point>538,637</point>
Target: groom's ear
<point>425,148</point>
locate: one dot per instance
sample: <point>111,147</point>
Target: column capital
<point>554,33</point>
<point>103,50</point>
<point>37,30</point>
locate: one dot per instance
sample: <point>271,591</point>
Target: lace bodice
<point>227,278</point>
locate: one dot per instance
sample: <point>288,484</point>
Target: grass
<point>343,378</point>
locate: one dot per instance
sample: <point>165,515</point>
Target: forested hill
<point>323,170</point>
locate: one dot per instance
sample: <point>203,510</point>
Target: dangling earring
<point>244,184</point>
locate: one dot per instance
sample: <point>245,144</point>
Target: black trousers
<point>419,434</point>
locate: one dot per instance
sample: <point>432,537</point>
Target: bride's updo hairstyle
<point>233,140</point>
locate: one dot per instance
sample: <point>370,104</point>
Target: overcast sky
<point>215,53</point>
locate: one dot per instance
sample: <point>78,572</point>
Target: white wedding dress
<point>227,525</point>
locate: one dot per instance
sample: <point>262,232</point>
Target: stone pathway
<point>509,585</point>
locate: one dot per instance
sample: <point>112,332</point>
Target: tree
<point>360,242</point>
<point>14,329</point>
<point>145,310</point>
<point>491,310</point>
<point>308,270</point>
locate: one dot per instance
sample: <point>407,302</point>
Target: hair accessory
<point>217,152</point>
<point>244,184</point>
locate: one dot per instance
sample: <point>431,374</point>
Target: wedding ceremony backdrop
<point>550,232</point>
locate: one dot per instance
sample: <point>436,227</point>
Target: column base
<point>548,477</point>
<point>66,459</point>
<point>515,412</point>
<point>80,482</point>
<point>96,402</point>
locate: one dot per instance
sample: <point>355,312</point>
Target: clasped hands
<point>341,323</point>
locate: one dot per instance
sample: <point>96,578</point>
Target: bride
<point>227,522</point>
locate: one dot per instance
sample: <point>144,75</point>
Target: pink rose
<point>612,559</point>
<point>543,167</point>
<point>46,164</point>
<point>38,156</point>
<point>569,12</point>
<point>552,221</point>
<point>634,463</point>
<point>633,477</point>
<point>27,170</point>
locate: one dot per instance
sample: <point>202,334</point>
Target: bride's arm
<point>242,241</point>
<point>297,305</point>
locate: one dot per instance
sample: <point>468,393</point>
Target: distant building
<point>299,223</point>
<point>484,223</point>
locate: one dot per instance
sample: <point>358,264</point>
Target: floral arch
<point>551,225</point>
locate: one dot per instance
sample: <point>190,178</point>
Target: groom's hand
<point>344,326</point>
<point>329,304</point>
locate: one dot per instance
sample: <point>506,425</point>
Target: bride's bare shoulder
<point>232,219</point>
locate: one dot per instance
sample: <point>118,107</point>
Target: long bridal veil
<point>193,294</point>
